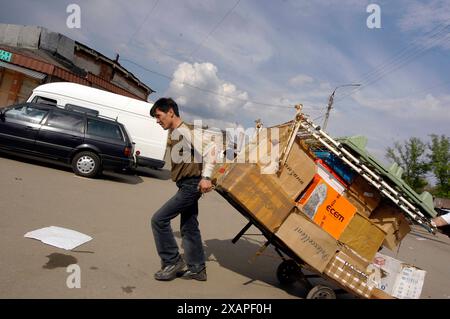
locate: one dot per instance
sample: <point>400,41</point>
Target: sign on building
<point>5,56</point>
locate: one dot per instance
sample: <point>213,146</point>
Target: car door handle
<point>31,128</point>
<point>74,137</point>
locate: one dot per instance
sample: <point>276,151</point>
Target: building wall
<point>86,62</point>
<point>15,87</point>
<point>119,80</point>
<point>64,51</point>
<point>442,203</point>
<point>26,37</point>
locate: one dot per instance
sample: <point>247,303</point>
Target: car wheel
<point>86,164</point>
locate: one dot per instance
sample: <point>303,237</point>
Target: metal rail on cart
<point>370,175</point>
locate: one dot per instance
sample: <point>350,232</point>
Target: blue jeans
<point>184,202</point>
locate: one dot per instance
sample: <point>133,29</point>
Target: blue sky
<point>278,52</point>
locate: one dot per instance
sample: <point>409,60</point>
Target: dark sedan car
<point>88,142</point>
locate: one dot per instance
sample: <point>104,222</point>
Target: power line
<point>319,117</point>
<point>214,29</point>
<point>398,56</point>
<point>413,54</point>
<point>195,50</point>
<point>143,22</point>
<point>211,91</point>
<point>400,59</point>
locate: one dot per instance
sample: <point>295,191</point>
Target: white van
<point>149,137</point>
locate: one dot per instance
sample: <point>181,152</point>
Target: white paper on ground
<point>59,237</point>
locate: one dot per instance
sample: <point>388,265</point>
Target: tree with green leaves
<point>411,157</point>
<point>439,161</point>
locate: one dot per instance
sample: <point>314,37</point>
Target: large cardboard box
<point>345,270</point>
<point>326,207</point>
<point>363,195</point>
<point>265,148</point>
<point>265,145</point>
<point>361,208</point>
<point>257,193</point>
<point>307,240</point>
<point>391,219</point>
<point>363,236</point>
<point>297,173</point>
<point>360,261</point>
<point>397,278</point>
<point>380,294</point>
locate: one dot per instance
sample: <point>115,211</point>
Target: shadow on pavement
<point>162,174</point>
<point>237,257</point>
<point>261,270</point>
<point>53,164</point>
<point>121,177</point>
<point>28,159</point>
<point>56,260</point>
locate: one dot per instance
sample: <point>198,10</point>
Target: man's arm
<point>442,220</point>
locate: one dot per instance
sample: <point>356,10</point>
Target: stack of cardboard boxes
<point>336,226</point>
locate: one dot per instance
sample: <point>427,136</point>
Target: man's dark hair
<point>164,105</point>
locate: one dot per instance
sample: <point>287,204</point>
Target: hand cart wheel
<point>321,292</point>
<point>288,272</point>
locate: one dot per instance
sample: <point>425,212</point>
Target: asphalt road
<point>120,260</point>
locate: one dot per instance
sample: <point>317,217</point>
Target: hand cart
<point>292,268</point>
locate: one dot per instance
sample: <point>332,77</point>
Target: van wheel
<point>86,164</point>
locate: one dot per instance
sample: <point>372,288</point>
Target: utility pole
<point>330,104</point>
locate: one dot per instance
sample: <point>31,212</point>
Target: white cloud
<point>431,18</point>
<point>386,120</point>
<point>217,99</point>
<point>300,79</point>
<point>419,15</point>
<point>427,109</point>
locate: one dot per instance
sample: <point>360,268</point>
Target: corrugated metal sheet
<point>110,87</point>
<point>31,73</point>
<point>28,62</point>
<point>115,64</point>
<point>70,77</point>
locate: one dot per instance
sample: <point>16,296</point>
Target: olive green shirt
<point>186,154</point>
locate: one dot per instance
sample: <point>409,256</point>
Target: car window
<point>27,114</point>
<point>66,121</point>
<point>43,100</point>
<point>104,129</point>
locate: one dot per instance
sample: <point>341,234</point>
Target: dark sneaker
<point>170,272</point>
<point>200,276</point>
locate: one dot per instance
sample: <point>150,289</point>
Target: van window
<point>104,129</point>
<point>43,100</point>
<point>66,121</point>
<point>27,114</point>
<point>81,109</point>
